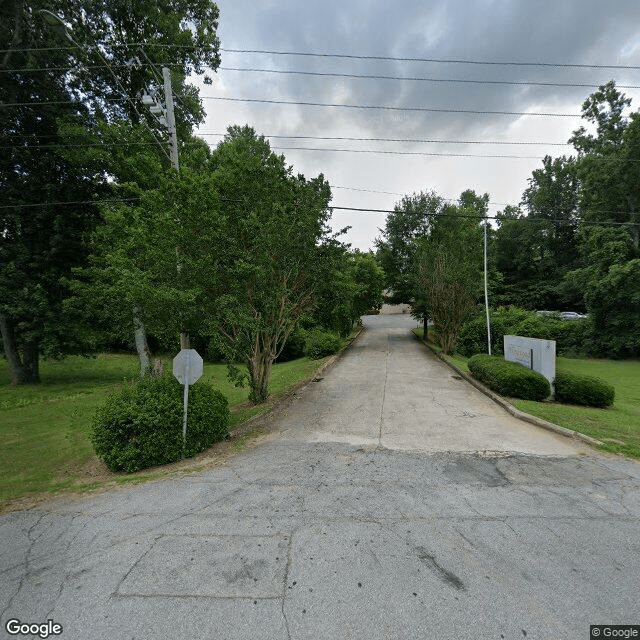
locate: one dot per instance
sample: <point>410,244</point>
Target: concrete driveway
<point>389,391</point>
<point>342,523</point>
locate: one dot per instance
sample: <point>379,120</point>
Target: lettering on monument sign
<point>533,353</point>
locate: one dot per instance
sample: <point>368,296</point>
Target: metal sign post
<point>187,368</point>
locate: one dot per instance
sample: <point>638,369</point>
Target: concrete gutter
<point>538,422</point>
<point>255,421</point>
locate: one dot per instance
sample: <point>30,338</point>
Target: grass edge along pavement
<point>615,430</point>
<point>23,483</point>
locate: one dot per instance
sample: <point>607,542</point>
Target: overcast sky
<point>571,32</point>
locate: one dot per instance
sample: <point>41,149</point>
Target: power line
<point>387,108</point>
<point>402,195</point>
<point>434,60</point>
<point>339,75</point>
<point>85,144</point>
<point>407,140</point>
<point>335,105</point>
<point>90,67</point>
<point>564,65</point>
<point>485,217</point>
<point>66,202</point>
<point>327,138</point>
<point>405,153</point>
<point>41,102</point>
<point>526,219</point>
<point>418,79</point>
<point>330,150</point>
<point>370,151</point>
<point>122,90</point>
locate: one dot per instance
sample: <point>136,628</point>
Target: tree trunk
<point>25,369</point>
<point>259,366</point>
<point>31,363</point>
<point>141,341</point>
<point>425,327</point>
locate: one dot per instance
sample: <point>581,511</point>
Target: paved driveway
<point>338,524</point>
<point>390,391</point>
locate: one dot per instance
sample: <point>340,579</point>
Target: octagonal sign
<point>187,366</point>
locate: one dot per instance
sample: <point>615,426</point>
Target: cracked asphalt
<point>387,500</point>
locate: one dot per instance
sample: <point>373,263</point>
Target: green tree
<point>608,161</point>
<point>271,260</point>
<point>369,278</point>
<point>449,263</point>
<point>510,255</point>
<point>80,88</point>
<point>250,237</point>
<point>607,273</point>
<point>395,249</point>
<point>40,240</point>
<point>535,251</point>
<point>352,284</point>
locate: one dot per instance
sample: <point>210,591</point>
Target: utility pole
<point>168,119</point>
<point>171,118</point>
<point>486,292</point>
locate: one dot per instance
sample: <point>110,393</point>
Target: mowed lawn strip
<point>44,429</point>
<point>621,422</point>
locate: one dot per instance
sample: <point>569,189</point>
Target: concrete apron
<point>388,391</point>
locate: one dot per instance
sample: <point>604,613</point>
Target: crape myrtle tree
<point>448,263</point>
<point>395,249</point>
<point>234,249</point>
<point>53,94</point>
<point>270,259</point>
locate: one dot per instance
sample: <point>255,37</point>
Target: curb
<point>521,415</point>
<point>252,423</point>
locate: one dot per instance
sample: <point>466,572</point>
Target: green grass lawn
<point>44,428</point>
<point>618,426</point>
<point>621,422</point>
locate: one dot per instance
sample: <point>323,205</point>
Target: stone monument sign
<point>533,353</point>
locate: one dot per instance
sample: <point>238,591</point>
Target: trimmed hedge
<point>576,388</point>
<point>140,425</point>
<point>509,378</point>
<point>320,343</point>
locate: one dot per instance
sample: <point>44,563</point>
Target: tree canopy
<point>60,95</point>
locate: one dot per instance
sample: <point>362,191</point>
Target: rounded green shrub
<point>576,388</point>
<point>509,378</point>
<point>140,425</point>
<point>320,343</point>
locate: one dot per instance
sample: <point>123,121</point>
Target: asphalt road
<point>346,520</point>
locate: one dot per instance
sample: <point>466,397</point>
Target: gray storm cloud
<point>572,32</point>
<point>585,32</point>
